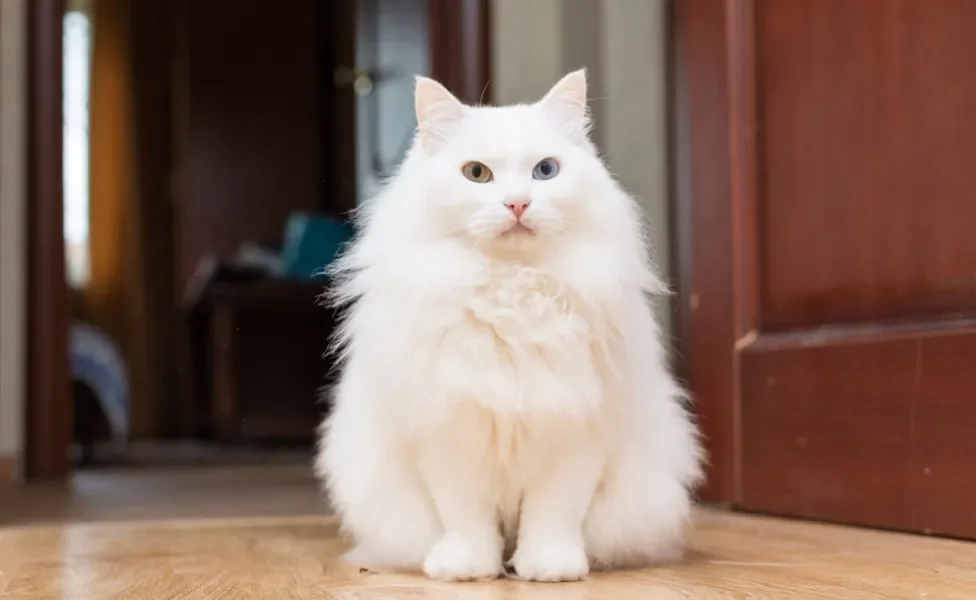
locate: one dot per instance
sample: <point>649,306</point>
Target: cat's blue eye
<point>547,168</point>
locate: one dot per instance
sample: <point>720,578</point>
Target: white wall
<point>634,79</point>
<point>623,45</point>
<point>527,48</point>
<point>13,257</point>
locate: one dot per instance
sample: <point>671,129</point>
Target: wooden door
<point>249,88</point>
<point>827,205</point>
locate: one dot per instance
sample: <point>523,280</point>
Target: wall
<point>623,45</point>
<point>13,169</point>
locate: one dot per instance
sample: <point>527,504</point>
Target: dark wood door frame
<point>460,49</point>
<point>49,406</point>
<point>708,144</point>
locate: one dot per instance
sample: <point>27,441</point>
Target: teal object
<point>311,243</point>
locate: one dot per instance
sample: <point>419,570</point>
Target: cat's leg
<point>377,493</point>
<point>640,513</point>
<point>459,483</point>
<point>551,545</point>
<point>637,519</point>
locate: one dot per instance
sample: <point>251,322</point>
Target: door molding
<point>460,47</point>
<point>13,248</point>
<point>49,406</point>
<point>713,164</point>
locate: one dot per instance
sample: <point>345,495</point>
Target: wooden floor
<point>241,490</point>
<point>279,556</point>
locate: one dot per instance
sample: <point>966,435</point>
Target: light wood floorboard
<point>196,537</point>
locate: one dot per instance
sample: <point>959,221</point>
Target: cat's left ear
<point>566,101</point>
<point>438,113</point>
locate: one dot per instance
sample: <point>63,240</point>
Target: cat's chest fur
<point>525,307</point>
<point>526,361</point>
<point>522,340</point>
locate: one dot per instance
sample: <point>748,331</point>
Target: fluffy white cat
<point>504,391</point>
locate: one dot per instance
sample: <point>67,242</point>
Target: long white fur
<point>505,395</point>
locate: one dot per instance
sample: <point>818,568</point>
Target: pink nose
<point>518,207</point>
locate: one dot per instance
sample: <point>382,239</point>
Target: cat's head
<point>510,176</point>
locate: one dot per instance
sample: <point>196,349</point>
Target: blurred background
<point>175,173</point>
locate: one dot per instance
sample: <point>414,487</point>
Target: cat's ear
<point>438,113</point>
<point>566,101</point>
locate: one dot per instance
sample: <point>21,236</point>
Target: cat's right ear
<point>566,102</point>
<point>438,113</point>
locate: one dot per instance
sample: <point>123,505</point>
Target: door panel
<point>877,428</point>
<point>840,291</point>
<point>866,146</point>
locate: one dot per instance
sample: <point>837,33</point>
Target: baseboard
<point>9,470</point>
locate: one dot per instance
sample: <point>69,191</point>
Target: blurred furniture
<point>101,388</point>
<point>260,365</point>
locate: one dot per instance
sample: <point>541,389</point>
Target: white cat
<point>505,392</point>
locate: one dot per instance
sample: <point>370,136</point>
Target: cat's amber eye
<point>476,172</point>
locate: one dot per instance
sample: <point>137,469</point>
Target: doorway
<point>195,135</point>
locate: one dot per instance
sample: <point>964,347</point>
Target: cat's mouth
<point>518,229</point>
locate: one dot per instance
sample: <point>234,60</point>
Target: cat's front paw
<point>550,562</point>
<point>457,558</point>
